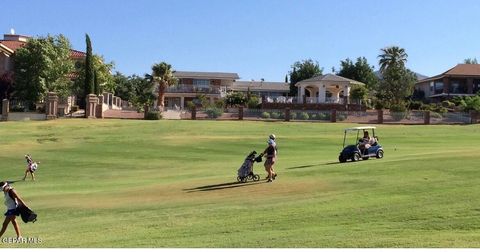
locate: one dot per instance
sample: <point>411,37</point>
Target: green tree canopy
<point>302,70</point>
<point>470,61</point>
<point>103,71</point>
<point>42,66</point>
<point>89,68</point>
<point>162,74</point>
<point>360,71</point>
<point>393,56</point>
<point>140,91</point>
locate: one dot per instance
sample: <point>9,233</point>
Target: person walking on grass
<point>12,201</point>
<point>271,155</point>
<point>31,167</point>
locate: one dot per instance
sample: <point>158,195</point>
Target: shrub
<point>153,115</point>
<point>265,115</point>
<point>293,115</point>
<point>448,104</point>
<point>415,105</point>
<point>17,108</point>
<point>398,111</point>
<point>282,115</point>
<point>323,116</point>
<point>303,116</point>
<point>213,112</point>
<point>313,116</point>
<point>341,117</point>
<point>220,103</point>
<point>253,103</point>
<point>41,109</point>
<point>275,115</point>
<point>435,115</point>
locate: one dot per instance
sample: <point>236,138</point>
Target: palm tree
<point>392,56</point>
<point>163,75</point>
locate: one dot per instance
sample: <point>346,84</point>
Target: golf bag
<point>27,214</point>
<point>245,172</point>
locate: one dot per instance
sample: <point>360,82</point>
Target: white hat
<point>272,136</point>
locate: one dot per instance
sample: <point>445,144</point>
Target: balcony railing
<point>310,100</point>
<point>183,88</point>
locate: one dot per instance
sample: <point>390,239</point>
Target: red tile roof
<point>77,54</point>
<point>464,69</point>
<point>14,45</point>
<point>460,70</point>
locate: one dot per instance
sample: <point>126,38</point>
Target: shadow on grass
<point>311,165</point>
<point>221,186</point>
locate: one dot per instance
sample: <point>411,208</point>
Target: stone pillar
<point>346,94</point>
<point>194,113</point>
<point>379,116</point>
<point>105,97</point>
<point>301,95</point>
<point>99,109</point>
<point>426,117</point>
<point>51,106</point>
<point>287,114</point>
<point>240,113</point>
<point>91,106</point>
<point>5,109</point>
<point>321,94</point>
<point>333,116</point>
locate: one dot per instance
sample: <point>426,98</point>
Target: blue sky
<point>255,38</point>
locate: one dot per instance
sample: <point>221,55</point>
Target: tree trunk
<point>161,97</point>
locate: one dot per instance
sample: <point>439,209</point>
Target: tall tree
<point>302,70</point>
<point>42,66</point>
<point>397,81</point>
<point>393,56</point>
<point>162,74</point>
<point>470,61</point>
<point>89,69</point>
<point>96,87</point>
<point>360,71</point>
<point>103,71</point>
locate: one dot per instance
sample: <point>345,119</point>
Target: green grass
<point>117,183</point>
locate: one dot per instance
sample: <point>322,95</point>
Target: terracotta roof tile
<point>14,45</point>
<point>464,69</point>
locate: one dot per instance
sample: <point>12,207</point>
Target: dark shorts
<point>269,162</point>
<point>11,212</point>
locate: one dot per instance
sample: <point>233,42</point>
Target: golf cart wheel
<point>356,157</point>
<point>256,177</point>
<point>380,154</point>
<point>342,159</point>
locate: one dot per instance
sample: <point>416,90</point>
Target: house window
<point>201,84</point>
<point>457,87</point>
<point>476,86</point>
<point>438,87</point>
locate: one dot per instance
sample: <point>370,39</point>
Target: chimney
<point>13,37</point>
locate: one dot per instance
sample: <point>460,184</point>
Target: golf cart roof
<point>360,128</point>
